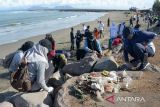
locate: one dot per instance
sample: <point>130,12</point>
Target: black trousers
<point>80,54</point>
<point>72,45</point>
<point>78,44</point>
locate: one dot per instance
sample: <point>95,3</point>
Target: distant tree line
<point>134,9</point>
<point>156,7</point>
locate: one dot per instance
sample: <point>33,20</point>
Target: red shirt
<point>116,41</point>
<point>52,53</point>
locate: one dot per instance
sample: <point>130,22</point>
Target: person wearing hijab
<point>113,31</point>
<point>120,28</point>
<point>52,53</point>
<point>38,65</point>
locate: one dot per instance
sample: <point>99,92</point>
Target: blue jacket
<point>138,37</point>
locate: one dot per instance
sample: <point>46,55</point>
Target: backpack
<point>8,59</point>
<point>20,79</point>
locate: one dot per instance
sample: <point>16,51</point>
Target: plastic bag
<point>126,82</point>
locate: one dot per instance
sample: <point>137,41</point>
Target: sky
<point>92,4</point>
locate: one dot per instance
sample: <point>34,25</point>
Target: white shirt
<point>101,26</point>
<point>84,28</point>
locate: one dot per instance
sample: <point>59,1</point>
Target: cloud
<point>105,4</point>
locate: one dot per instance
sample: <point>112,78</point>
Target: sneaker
<point>135,62</point>
<point>143,66</point>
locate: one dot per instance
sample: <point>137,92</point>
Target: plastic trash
<point>126,82</point>
<point>109,87</point>
<point>122,74</point>
<point>99,96</point>
<point>77,93</point>
<point>116,88</point>
<point>105,73</point>
<point>113,76</point>
<point>97,86</point>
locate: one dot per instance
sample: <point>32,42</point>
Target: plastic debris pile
<point>99,83</point>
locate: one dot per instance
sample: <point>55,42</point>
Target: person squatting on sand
<point>52,53</point>
<point>91,45</point>
<point>17,58</point>
<point>139,45</point>
<point>58,60</point>
<point>38,64</point>
<point>117,44</point>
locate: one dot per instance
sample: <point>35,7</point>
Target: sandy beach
<point>62,36</point>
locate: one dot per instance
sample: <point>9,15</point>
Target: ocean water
<point>17,25</point>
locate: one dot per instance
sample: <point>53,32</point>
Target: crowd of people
<point>42,56</point>
<point>131,39</point>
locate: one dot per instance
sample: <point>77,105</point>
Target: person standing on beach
<point>79,39</point>
<point>113,31</point>
<point>96,33</point>
<point>131,21</point>
<point>120,29</point>
<point>108,22</point>
<point>113,34</point>
<point>84,27</point>
<point>101,28</point>
<point>87,32</point>
<point>72,39</point>
<point>137,21</point>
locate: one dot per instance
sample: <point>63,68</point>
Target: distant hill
<point>38,8</point>
<point>63,7</point>
<point>66,7</point>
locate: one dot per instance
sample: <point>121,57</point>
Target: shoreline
<point>61,36</point>
<point>14,31</point>
<point>11,47</point>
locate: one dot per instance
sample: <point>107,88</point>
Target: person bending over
<point>139,45</point>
